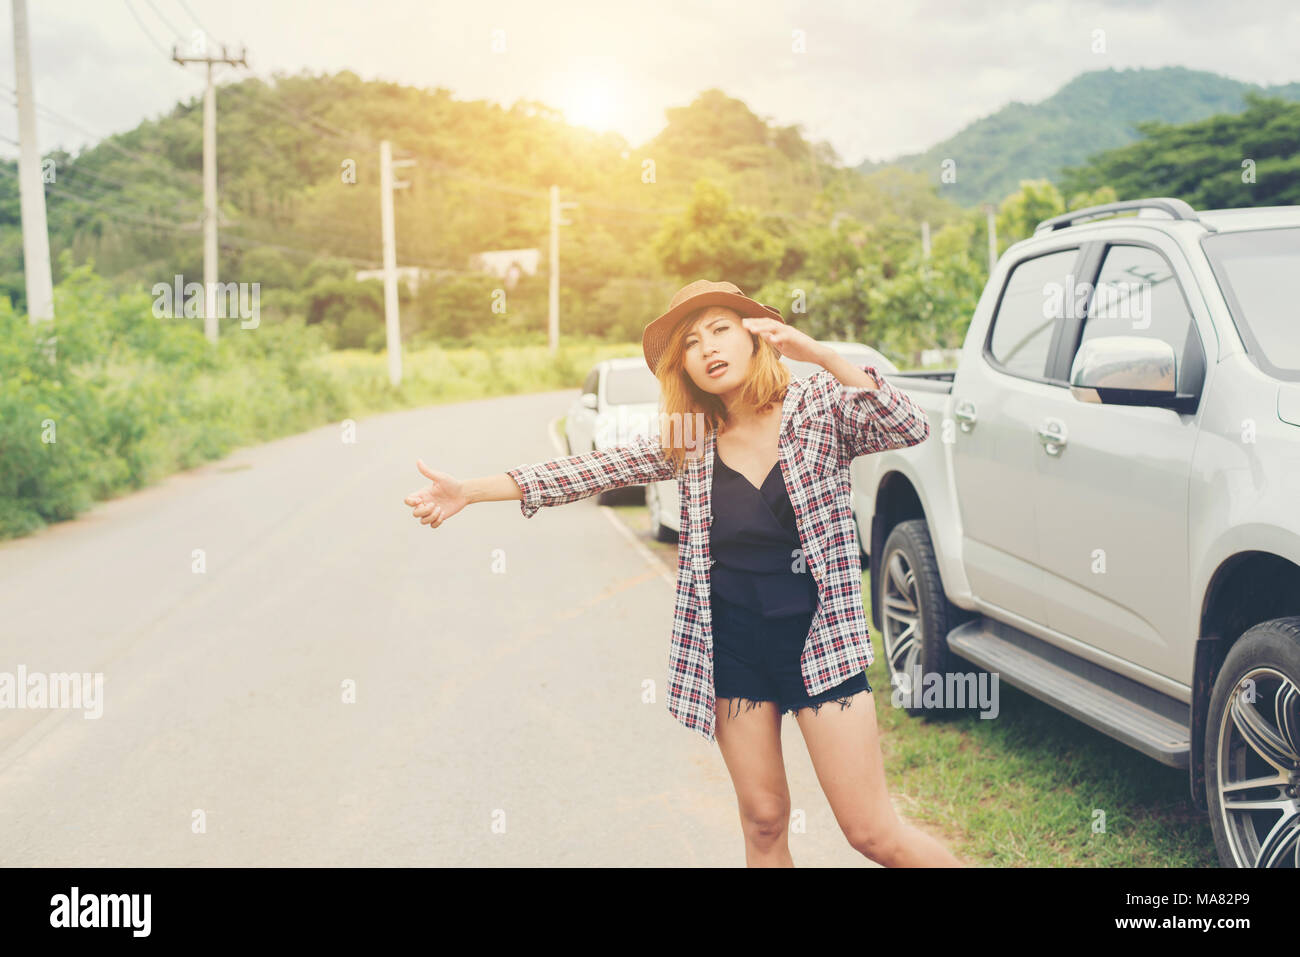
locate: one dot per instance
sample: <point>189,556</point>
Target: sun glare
<point>592,107</point>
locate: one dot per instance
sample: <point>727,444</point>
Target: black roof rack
<point>1176,208</point>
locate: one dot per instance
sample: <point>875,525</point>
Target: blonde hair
<point>681,399</point>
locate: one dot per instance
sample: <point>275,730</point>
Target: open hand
<point>789,341</point>
<point>443,498</point>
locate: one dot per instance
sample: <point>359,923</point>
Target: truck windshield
<point>1255,269</point>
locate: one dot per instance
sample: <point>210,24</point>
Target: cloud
<point>877,79</point>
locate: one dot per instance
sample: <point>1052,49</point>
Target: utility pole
<point>392,320</point>
<point>210,180</point>
<point>31,186</point>
<point>925,239</point>
<point>553,312</point>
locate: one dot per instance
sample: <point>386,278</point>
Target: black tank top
<point>755,545</point>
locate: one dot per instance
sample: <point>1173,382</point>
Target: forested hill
<point>298,179</point>
<point>720,191</point>
<point>1095,111</point>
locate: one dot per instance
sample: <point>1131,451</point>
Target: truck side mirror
<point>1124,370</point>
<point>589,400</point>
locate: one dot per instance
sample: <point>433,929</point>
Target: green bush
<point>132,397</point>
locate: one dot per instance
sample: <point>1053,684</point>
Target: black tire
<point>909,552</point>
<point>1263,664</point>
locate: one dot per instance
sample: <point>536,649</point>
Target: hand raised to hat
<point>789,341</point>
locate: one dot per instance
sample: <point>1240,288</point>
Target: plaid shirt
<point>824,426</point>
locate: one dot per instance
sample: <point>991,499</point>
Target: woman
<point>768,615</point>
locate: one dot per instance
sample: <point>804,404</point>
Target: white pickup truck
<point>1107,512</point>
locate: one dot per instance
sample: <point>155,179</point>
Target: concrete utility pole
<point>210,181</point>
<point>31,186</point>
<point>553,312</point>
<point>392,319</point>
<point>925,239</point>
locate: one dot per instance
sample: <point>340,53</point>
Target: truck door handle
<point>1052,436</point>
<point>964,413</point>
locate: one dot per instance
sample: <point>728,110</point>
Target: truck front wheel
<point>915,614</point>
<point>1252,749</point>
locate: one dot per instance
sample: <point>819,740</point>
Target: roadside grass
<point>1031,787</point>
<point>135,400</point>
<point>433,375</point>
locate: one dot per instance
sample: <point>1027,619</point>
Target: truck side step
<point>1141,717</point>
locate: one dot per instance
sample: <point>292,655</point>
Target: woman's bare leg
<point>749,737</point>
<point>844,744</point>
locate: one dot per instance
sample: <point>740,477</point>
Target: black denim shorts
<point>757,659</point>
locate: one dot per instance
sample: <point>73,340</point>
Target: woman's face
<point>717,337</point>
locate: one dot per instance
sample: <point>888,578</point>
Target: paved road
<point>498,664</point>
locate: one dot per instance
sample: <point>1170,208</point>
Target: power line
<point>110,141</point>
<point>278,112</point>
<point>315,253</point>
<point>116,211</point>
<point>125,218</point>
<point>77,170</point>
<point>324,130</point>
<point>318,128</point>
<point>96,202</point>
<point>187,9</point>
<point>128,220</point>
<point>157,46</point>
<point>176,33</point>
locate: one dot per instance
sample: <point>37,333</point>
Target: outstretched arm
<point>553,482</point>
<point>573,477</point>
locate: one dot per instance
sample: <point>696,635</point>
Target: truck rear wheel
<point>915,614</point>
<point>1252,749</point>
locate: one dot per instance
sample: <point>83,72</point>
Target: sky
<point>874,79</point>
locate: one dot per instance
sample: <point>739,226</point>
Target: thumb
<point>425,470</point>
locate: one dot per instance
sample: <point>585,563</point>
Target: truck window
<point>1034,300</point>
<point>1254,269</point>
<point>1137,294</point>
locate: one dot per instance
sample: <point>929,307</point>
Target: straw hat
<point>694,296</point>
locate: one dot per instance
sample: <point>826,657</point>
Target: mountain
<point>1095,111</point>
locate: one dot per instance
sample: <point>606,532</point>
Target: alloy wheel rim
<point>1259,770</point>
<point>901,615</point>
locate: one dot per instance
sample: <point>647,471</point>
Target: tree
<point>1022,211</point>
<point>1225,161</point>
<point>716,239</point>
